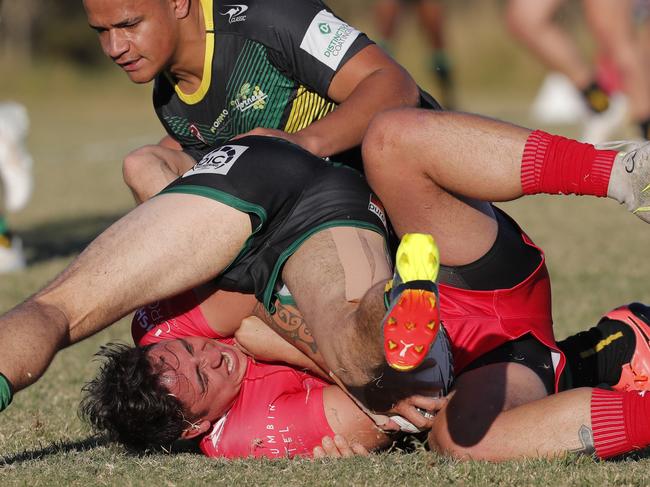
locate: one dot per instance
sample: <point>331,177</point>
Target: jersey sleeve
<point>308,42</point>
<point>169,319</point>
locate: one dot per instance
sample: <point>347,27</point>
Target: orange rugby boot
<point>411,323</point>
<point>635,374</point>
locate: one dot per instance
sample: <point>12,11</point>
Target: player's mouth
<point>129,66</point>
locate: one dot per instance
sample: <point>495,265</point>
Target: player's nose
<point>116,44</point>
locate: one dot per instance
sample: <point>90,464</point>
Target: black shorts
<point>527,351</point>
<point>289,194</point>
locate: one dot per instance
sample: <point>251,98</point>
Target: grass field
<point>82,125</point>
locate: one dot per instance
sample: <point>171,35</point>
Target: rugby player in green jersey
<point>287,68</point>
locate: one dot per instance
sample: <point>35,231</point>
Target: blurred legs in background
<point>611,24</point>
<point>430,14</point>
<point>16,177</point>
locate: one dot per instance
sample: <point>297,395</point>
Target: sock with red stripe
<point>556,165</point>
<point>620,422</point>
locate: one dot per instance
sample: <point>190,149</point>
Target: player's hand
<point>295,138</point>
<point>418,410</point>
<point>339,447</point>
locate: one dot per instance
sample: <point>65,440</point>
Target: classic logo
<point>219,161</point>
<point>235,13</point>
<point>328,38</point>
<point>249,97</point>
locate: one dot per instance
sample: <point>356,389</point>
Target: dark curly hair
<point>127,402</point>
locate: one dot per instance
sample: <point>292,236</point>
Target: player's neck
<point>187,65</point>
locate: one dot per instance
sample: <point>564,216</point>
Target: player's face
<point>140,36</point>
<point>205,375</point>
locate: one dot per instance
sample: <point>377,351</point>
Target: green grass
<point>83,124</point>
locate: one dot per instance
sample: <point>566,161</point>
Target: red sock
<point>620,422</point>
<point>557,165</point>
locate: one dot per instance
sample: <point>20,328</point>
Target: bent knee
<point>138,162</point>
<point>390,135</point>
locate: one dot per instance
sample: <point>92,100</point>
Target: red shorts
<point>480,321</point>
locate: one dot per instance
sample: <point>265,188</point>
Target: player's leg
<point>431,14</point>
<point>387,13</point>
<point>165,246</point>
<point>586,421</point>
<point>532,23</point>
<point>612,25</point>
<point>150,168</point>
<point>491,160</point>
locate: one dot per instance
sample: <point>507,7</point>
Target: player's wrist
<point>6,392</point>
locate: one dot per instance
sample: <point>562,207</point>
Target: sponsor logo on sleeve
<point>328,38</point>
<point>219,161</point>
<point>377,208</point>
<point>235,13</point>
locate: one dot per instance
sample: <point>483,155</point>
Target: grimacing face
<point>140,36</point>
<point>204,374</point>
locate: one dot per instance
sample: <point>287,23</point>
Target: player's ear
<point>182,7</point>
<point>197,428</point>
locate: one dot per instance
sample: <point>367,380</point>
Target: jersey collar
<point>206,79</point>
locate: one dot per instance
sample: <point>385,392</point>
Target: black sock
<point>597,99</point>
<point>596,356</point>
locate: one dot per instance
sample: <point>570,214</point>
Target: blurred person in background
<point>431,15</point>
<point>611,24</point>
<point>16,178</point>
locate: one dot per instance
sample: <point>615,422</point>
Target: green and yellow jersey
<point>268,63</point>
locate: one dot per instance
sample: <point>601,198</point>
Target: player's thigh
<point>611,23</point>
<point>479,396</point>
<point>532,13</point>
<point>332,271</point>
<point>163,247</point>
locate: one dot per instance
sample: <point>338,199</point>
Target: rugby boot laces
<point>635,374</point>
<point>629,183</point>
<point>412,321</point>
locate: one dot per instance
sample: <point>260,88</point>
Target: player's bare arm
<point>367,84</point>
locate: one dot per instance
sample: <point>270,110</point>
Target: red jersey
<point>279,411</point>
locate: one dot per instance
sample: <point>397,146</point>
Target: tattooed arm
<point>282,337</point>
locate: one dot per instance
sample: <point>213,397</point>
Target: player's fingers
<point>414,416</point>
<point>319,452</point>
<point>359,449</point>
<point>431,404</point>
<point>343,446</point>
<point>330,448</point>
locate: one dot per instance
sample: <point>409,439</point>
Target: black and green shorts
<point>289,194</point>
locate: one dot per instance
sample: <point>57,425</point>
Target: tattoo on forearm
<point>586,437</point>
<point>289,323</point>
